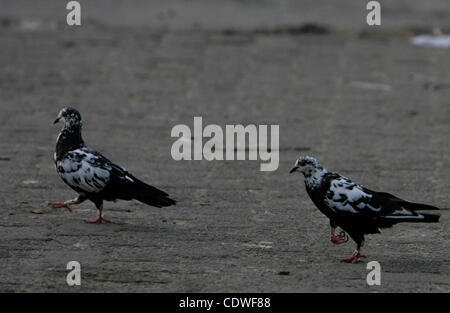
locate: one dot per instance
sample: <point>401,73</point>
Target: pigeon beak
<point>57,120</point>
<point>293,169</point>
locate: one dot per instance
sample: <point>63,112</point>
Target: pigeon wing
<point>85,170</point>
<point>89,172</point>
<point>347,198</point>
<point>123,185</point>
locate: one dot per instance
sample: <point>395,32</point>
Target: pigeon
<point>92,175</point>
<point>354,208</point>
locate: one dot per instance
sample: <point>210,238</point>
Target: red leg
<point>100,219</point>
<point>354,258</point>
<point>58,205</point>
<point>65,204</point>
<point>337,239</point>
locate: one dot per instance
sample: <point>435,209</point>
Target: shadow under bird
<point>354,208</point>
<point>93,176</point>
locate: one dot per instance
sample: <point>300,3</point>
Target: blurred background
<point>242,14</point>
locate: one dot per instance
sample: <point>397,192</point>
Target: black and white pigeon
<point>354,208</point>
<point>93,176</point>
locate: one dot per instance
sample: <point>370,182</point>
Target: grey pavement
<point>364,101</point>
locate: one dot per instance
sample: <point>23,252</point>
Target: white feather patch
<point>343,195</point>
<point>82,170</point>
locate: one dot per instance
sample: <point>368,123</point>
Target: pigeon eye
<point>302,163</point>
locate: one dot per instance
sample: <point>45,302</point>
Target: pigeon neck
<point>314,178</point>
<point>69,139</point>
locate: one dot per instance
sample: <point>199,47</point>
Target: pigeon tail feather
<point>430,218</point>
<point>418,206</point>
<point>389,220</point>
<point>152,196</point>
<point>408,205</point>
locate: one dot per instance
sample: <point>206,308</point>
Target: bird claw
<point>57,205</point>
<point>339,239</point>
<point>99,220</point>
<point>353,259</point>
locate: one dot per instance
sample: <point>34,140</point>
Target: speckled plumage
<point>92,175</point>
<point>354,208</point>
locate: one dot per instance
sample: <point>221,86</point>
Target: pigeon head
<point>307,165</point>
<point>70,116</point>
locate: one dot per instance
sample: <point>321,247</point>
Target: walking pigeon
<point>93,176</point>
<point>354,208</point>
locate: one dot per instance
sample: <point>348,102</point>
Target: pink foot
<point>353,259</point>
<point>99,220</point>
<point>337,240</point>
<point>58,205</point>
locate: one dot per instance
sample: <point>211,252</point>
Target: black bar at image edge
<point>220,302</point>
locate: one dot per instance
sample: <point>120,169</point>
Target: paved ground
<point>235,228</point>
